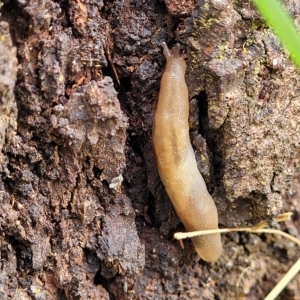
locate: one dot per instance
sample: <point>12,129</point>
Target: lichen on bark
<point>251,89</point>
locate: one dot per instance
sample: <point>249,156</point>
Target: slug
<point>176,160</point>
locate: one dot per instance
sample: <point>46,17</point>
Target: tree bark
<point>83,213</point>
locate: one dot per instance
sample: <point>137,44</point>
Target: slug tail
<point>209,247</point>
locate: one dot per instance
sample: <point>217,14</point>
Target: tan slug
<point>176,160</point>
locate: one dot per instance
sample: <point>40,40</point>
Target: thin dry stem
<point>259,228</point>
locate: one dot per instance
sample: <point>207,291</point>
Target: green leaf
<point>280,21</point>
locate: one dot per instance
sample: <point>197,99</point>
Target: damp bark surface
<point>83,213</point>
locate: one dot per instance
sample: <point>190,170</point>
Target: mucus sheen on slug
<point>176,160</point>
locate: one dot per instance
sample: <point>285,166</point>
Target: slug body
<point>176,160</point>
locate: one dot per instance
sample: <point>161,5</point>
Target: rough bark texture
<point>83,214</point>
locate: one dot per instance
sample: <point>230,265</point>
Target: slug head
<point>175,62</point>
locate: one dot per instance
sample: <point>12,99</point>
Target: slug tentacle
<point>176,160</point>
<point>167,52</point>
<point>177,51</point>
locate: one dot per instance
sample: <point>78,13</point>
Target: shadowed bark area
<point>83,213</point>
